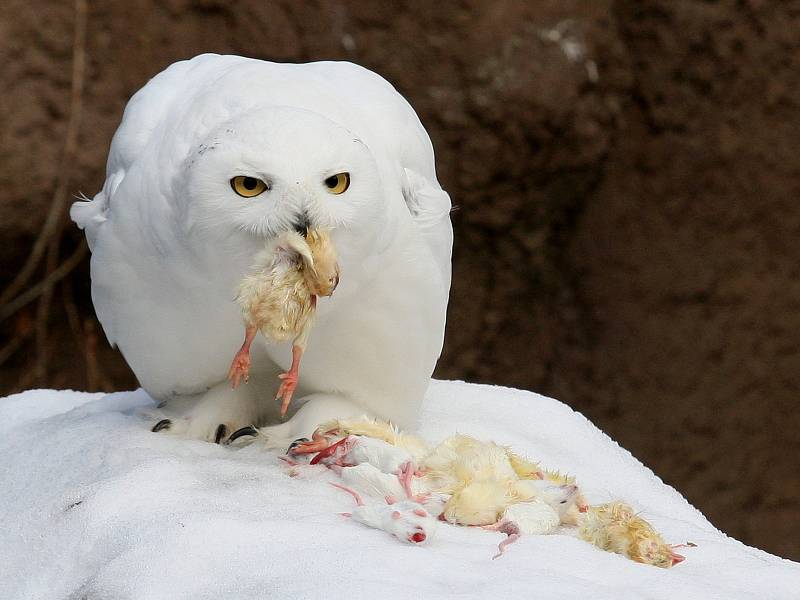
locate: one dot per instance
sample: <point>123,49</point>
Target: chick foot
<point>286,390</point>
<point>289,380</point>
<point>240,365</point>
<point>240,368</point>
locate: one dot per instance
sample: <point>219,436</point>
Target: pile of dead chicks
<point>465,481</point>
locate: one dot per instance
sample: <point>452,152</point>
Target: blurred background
<point>627,174</point>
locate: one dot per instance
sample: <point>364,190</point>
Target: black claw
<point>296,443</point>
<point>162,424</point>
<point>248,430</point>
<point>221,429</point>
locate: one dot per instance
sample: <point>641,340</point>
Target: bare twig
<point>49,237</point>
<point>95,377</point>
<point>73,317</point>
<point>43,313</point>
<point>33,293</point>
<point>53,221</point>
<point>25,380</point>
<point>59,198</point>
<point>85,338</point>
<point>11,347</point>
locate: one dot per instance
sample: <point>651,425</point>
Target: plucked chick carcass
<point>615,527</point>
<point>279,299</point>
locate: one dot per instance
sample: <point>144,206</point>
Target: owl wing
<point>430,208</point>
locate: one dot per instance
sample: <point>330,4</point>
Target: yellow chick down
<point>278,296</point>
<point>615,527</point>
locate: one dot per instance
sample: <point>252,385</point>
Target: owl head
<point>276,169</point>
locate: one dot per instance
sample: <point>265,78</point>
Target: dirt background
<point>628,180</point>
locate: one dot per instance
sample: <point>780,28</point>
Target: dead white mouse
<point>561,497</point>
<point>540,514</point>
<point>355,450</point>
<point>381,455</point>
<point>370,480</point>
<point>373,482</point>
<point>406,520</point>
<point>534,518</point>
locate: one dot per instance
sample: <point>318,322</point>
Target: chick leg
<point>240,366</point>
<point>289,380</point>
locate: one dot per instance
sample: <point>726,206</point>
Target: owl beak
<point>302,225</point>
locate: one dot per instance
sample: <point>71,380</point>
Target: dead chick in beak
<point>279,299</point>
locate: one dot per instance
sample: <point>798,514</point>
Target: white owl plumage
<point>171,240</point>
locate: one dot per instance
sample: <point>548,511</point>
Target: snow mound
<point>95,506</point>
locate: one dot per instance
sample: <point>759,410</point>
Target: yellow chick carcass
<point>480,480</point>
<point>486,479</point>
<point>477,476</point>
<point>615,527</point>
<point>461,459</point>
<point>279,298</point>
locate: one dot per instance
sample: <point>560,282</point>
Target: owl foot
<point>212,416</point>
<point>163,424</point>
<point>249,430</point>
<point>219,433</point>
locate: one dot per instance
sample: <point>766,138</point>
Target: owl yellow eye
<point>338,183</point>
<point>247,187</point>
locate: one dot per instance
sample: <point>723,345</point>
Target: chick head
<point>322,274</point>
<point>658,554</point>
<point>647,546</point>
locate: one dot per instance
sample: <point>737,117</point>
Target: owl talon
<point>220,433</point>
<point>162,425</point>
<point>295,444</point>
<point>241,432</point>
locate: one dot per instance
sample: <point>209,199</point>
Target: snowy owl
<point>216,156</point>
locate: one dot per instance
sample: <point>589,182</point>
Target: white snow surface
<point>95,506</point>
